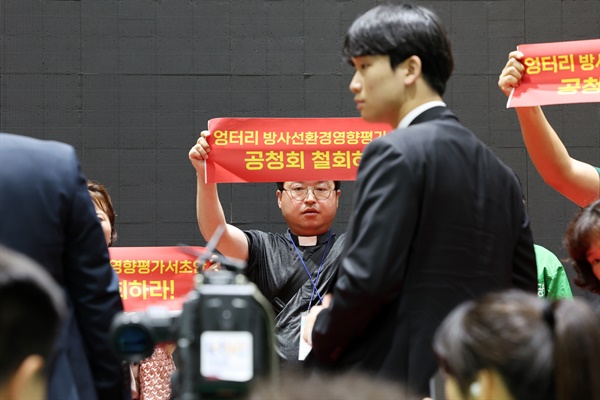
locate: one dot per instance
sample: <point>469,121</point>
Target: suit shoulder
<point>401,139</point>
<point>12,142</point>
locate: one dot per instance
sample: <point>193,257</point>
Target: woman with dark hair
<point>514,345</point>
<point>582,241</point>
<point>104,210</point>
<point>151,377</point>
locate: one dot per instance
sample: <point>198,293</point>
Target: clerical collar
<point>306,241</point>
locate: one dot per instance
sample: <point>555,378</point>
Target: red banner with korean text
<point>286,149</point>
<point>558,73</point>
<point>154,275</point>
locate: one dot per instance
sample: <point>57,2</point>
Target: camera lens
<point>132,340</point>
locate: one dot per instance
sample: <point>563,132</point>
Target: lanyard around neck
<point>315,281</point>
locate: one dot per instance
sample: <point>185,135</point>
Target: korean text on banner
<point>154,275</point>
<point>286,149</point>
<point>558,73</point>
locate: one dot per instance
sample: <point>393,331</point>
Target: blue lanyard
<point>314,282</point>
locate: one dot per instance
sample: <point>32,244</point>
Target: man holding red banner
<point>293,270</point>
<point>438,219</point>
<point>576,180</point>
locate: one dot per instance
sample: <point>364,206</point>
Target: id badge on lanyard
<point>304,347</point>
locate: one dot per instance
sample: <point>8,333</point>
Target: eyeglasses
<point>300,192</point>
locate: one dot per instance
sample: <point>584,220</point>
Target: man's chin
<point>310,228</point>
<point>310,220</point>
<point>369,117</point>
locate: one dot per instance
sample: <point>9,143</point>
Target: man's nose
<point>355,84</point>
<point>310,195</point>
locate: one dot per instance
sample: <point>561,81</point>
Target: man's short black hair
<point>336,185</point>
<point>401,31</point>
<point>31,310</point>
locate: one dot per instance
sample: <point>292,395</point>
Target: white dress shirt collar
<point>410,117</point>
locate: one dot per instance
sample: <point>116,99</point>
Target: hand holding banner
<point>559,73</point>
<point>286,149</point>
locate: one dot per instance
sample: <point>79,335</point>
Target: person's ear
<point>279,198</point>
<point>26,381</point>
<point>413,68</point>
<point>475,390</point>
<point>337,199</point>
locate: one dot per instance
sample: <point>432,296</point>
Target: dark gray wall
<point>130,84</point>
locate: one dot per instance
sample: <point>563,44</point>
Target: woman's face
<point>593,257</point>
<point>106,228</point>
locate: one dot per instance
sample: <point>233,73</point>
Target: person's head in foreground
<point>514,345</point>
<point>31,309</point>
<point>348,386</point>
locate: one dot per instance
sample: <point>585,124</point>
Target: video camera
<point>224,333</point>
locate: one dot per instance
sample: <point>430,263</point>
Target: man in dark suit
<point>46,213</point>
<point>437,217</point>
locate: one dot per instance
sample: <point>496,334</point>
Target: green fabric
<point>552,278</point>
